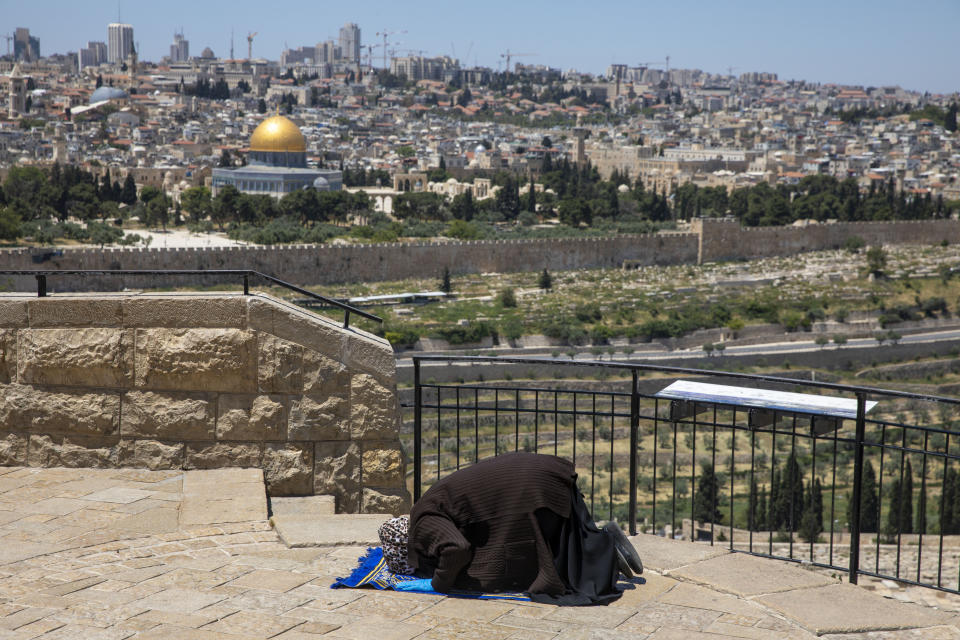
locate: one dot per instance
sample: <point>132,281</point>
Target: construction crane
<point>370,48</point>
<point>250,37</point>
<point>730,70</point>
<point>510,54</point>
<point>385,35</point>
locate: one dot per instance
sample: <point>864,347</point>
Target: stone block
<point>323,377</point>
<point>374,414</point>
<point>8,355</point>
<point>151,454</point>
<point>203,455</point>
<point>380,500</point>
<point>185,311</point>
<point>371,355</point>
<point>249,417</point>
<point>304,328</point>
<point>337,473</point>
<point>169,416</point>
<point>196,359</point>
<point>70,451</point>
<point>75,312</point>
<point>288,469</point>
<point>13,449</point>
<point>279,365</point>
<point>69,411</point>
<point>312,419</point>
<point>83,357</point>
<point>382,464</point>
<point>13,313</point>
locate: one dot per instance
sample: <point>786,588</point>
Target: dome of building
<point>278,134</point>
<point>321,184</point>
<point>108,93</point>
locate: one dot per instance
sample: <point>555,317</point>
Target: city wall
<point>710,240</point>
<point>202,382</point>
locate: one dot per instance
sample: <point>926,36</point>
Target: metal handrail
<point>463,406</point>
<point>41,276</point>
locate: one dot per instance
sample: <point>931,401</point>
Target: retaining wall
<point>200,382</point>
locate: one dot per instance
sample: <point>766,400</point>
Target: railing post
<point>857,484</point>
<point>246,284</point>
<point>346,319</point>
<point>417,425</point>
<point>41,286</point>
<point>634,428</point>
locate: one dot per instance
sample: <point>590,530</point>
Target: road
<point>802,346</point>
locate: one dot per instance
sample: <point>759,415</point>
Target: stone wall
<point>711,240</point>
<point>725,239</point>
<point>199,382</point>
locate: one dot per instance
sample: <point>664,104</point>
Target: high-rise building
<point>350,42</point>
<point>94,54</point>
<point>119,42</point>
<point>326,52</point>
<point>180,49</point>
<point>25,46</point>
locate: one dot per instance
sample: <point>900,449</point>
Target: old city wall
<point>324,264</point>
<point>201,382</point>
<point>725,239</point>
<point>711,240</point>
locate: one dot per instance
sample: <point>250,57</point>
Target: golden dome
<point>277,134</point>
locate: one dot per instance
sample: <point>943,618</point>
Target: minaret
<point>18,92</point>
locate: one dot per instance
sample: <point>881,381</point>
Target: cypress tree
<point>752,507</point>
<point>708,496</point>
<point>791,493</point>
<point>869,501</point>
<point>762,508</point>
<point>775,508</point>
<point>532,197</point>
<point>906,500</point>
<point>920,524</point>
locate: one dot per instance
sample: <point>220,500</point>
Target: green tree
<point>545,282</point>
<point>102,233</point>
<point>406,151</point>
<point>225,205</point>
<point>869,501</point>
<point>9,224</point>
<point>508,198</point>
<point>876,261</point>
<point>753,507</point>
<point>463,207</point>
<point>261,106</point>
<point>128,195</point>
<point>196,202</point>
<point>445,284</point>
<point>508,298</point>
<point>950,120</point>
<point>707,499</point>
<point>811,525</point>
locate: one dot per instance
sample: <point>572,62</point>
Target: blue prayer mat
<point>372,571</point>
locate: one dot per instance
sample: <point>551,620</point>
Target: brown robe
<point>477,529</point>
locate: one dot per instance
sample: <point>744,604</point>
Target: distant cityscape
<point>370,116</point>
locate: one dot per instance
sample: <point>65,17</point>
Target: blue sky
<point>869,42</point>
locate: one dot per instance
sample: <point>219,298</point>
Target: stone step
<point>303,506</point>
<point>342,529</point>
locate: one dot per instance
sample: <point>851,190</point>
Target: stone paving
<point>123,553</point>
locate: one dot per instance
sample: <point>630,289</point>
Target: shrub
<point>508,298</point>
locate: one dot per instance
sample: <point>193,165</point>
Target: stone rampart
<point>200,382</point>
<point>328,264</point>
<point>711,240</point>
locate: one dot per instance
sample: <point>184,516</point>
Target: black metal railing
<point>247,276</point>
<point>703,474</point>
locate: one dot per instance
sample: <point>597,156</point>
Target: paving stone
<point>599,634</point>
<point>271,580</point>
<point>268,602</point>
<point>303,506</point>
<point>23,617</point>
<point>927,633</point>
<point>746,575</point>
<point>660,554</point>
<point>844,608</point>
<point>608,617</point>
<point>75,585</point>
<point>120,495</point>
<point>179,600</point>
<point>645,588</point>
<point>167,632</point>
<point>653,615</point>
<point>377,628</point>
<point>55,506</point>
<point>337,529</point>
<point>755,633</point>
<point>691,595</point>
<point>668,633</point>
<point>23,550</point>
<point>253,624</point>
